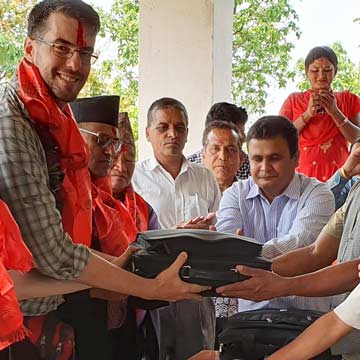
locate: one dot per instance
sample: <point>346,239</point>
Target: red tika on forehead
<point>80,35</point>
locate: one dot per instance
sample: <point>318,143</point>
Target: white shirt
<point>194,192</point>
<point>349,310</point>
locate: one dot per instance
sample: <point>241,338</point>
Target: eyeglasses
<point>66,51</point>
<point>104,140</point>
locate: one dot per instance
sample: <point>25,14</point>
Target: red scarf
<point>138,208</point>
<point>74,153</point>
<point>115,227</point>
<point>14,255</point>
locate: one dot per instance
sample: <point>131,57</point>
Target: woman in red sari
<point>327,121</point>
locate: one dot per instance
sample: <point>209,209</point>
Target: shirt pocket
<point>195,206</point>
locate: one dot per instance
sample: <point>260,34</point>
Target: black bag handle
<point>189,272</point>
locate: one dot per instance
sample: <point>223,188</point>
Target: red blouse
<point>323,149</point>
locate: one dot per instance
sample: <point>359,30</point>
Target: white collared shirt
<point>194,192</point>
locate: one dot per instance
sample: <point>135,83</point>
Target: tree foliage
<point>12,34</point>
<point>261,52</point>
<point>119,75</point>
<point>347,77</point>
<point>261,49</point>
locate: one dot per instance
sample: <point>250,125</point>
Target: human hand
<point>359,270</point>
<point>199,222</point>
<point>170,287</point>
<point>262,285</point>
<point>314,105</point>
<point>124,258</point>
<point>239,232</point>
<point>352,163</point>
<point>327,101</point>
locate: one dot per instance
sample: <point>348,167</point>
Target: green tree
<point>347,77</point>
<point>12,34</point>
<point>261,49</point>
<point>119,75</point>
<point>261,52</point>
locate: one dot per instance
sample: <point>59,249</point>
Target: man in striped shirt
<point>276,206</point>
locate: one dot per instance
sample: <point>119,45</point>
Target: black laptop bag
<point>253,335</point>
<point>212,257</point>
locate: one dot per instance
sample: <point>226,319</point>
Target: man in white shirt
<point>178,191</point>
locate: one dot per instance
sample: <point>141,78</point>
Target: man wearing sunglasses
<point>44,175</point>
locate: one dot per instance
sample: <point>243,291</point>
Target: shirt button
<point>314,163</point>
<point>324,178</point>
<point>305,148</point>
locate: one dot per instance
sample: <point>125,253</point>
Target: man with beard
<point>43,164</point>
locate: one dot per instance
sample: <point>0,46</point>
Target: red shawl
<point>138,208</point>
<point>14,255</point>
<point>74,154</point>
<point>115,227</point>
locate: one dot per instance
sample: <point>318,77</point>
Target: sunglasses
<point>104,140</point>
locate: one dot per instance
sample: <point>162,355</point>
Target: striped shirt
<point>293,220</point>
<point>24,186</point>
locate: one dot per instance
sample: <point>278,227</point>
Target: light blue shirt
<point>292,220</point>
<point>341,188</point>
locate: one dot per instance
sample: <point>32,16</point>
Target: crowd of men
<point>69,178</point>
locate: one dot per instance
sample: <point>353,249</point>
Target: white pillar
<point>185,52</point>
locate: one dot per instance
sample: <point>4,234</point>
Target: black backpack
<point>252,335</point>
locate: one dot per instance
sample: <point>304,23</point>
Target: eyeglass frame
<point>104,146</point>
<point>72,49</point>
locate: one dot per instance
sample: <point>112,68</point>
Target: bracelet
<point>343,174</point>
<point>345,121</point>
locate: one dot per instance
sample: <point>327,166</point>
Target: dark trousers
<point>132,342</point>
<point>88,317</point>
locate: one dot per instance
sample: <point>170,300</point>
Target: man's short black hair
<point>221,125</point>
<point>166,103</point>
<point>321,52</point>
<point>224,111</point>
<point>269,127</point>
<point>75,9</point>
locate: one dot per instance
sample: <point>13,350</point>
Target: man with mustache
<point>44,175</point>
<point>276,206</point>
<point>222,153</point>
<point>178,191</point>
<point>232,114</point>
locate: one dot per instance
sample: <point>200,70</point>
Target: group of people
<point>73,200</point>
